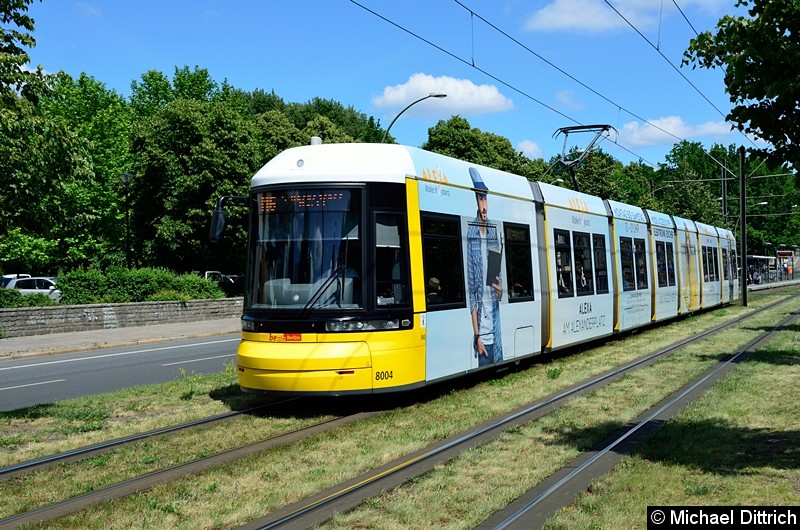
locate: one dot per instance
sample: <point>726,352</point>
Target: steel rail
<point>319,508</point>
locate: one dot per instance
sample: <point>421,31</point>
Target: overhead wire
<point>496,78</point>
<point>685,17</point>
<point>661,53</point>
<point>621,108</point>
<point>564,72</point>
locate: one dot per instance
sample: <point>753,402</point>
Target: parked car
<point>8,277</point>
<point>42,285</point>
<point>231,284</point>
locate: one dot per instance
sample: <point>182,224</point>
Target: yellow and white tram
<point>375,268</point>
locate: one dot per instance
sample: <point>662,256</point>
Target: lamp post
<point>431,95</point>
<point>125,178</point>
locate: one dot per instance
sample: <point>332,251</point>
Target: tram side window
<point>670,265</point>
<point>391,260</point>
<point>626,263</point>
<point>708,274</point>
<point>518,262</point>
<point>600,265</point>
<point>584,284</point>
<point>442,262</point>
<point>715,262</point>
<point>661,263</point>
<point>639,255</point>
<point>725,265</point>
<point>563,263</point>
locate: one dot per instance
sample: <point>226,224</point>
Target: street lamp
<point>125,178</point>
<point>431,95</point>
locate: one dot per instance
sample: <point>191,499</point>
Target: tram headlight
<point>248,325</point>
<point>362,325</point>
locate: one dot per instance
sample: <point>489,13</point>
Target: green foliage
<point>27,252</point>
<point>189,140</point>
<point>759,54</point>
<point>191,153</point>
<point>12,298</point>
<point>91,286</point>
<point>81,286</point>
<point>349,123</point>
<point>38,300</point>
<point>456,138</point>
<point>15,36</point>
<point>167,295</point>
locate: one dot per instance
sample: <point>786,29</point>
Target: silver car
<point>42,285</point>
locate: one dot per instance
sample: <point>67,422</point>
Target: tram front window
<point>306,250</point>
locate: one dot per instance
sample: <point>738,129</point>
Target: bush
<point>124,285</point>
<point>82,286</point>
<point>168,295</point>
<point>13,298</point>
<point>38,299</point>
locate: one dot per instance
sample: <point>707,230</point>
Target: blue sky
<point>516,68</point>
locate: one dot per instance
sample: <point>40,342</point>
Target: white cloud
<point>659,131</point>
<point>89,10</point>
<point>565,99</point>
<point>530,149</point>
<point>585,15</point>
<point>595,16</point>
<point>463,96</point>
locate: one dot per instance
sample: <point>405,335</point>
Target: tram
<point>381,268</point>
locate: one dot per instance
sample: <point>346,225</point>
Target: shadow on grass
<point>713,445</point>
<point>304,406</point>
<point>772,357</point>
<point>717,447</point>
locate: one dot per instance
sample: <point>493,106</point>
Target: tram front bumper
<point>305,367</point>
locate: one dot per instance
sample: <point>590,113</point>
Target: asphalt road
<point>65,366</point>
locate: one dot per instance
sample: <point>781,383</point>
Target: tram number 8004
<point>382,376</point>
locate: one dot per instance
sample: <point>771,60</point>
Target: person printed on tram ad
<point>484,282</point>
<point>434,291</point>
<point>581,277</point>
<point>562,286</point>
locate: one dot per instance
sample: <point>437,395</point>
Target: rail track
<point>320,507</point>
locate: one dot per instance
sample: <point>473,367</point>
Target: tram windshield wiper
<point>312,301</point>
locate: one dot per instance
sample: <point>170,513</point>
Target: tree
<point>188,155</point>
<point>15,36</point>
<point>43,164</point>
<point>456,138</point>
<point>352,124</point>
<point>760,55</point>
<point>327,130</point>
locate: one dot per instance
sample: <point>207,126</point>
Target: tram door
<point>689,277</point>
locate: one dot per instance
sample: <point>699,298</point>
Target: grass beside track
<point>457,495</point>
<point>738,445</point>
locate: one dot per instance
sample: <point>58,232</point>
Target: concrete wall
<point>20,322</point>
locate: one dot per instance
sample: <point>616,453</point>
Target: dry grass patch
<point>475,484</point>
<point>738,445</point>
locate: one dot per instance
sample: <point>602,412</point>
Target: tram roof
<point>570,199</point>
<point>660,219</point>
<point>707,230</point>
<point>337,163</point>
<point>620,210</point>
<point>684,224</point>
<point>366,162</point>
